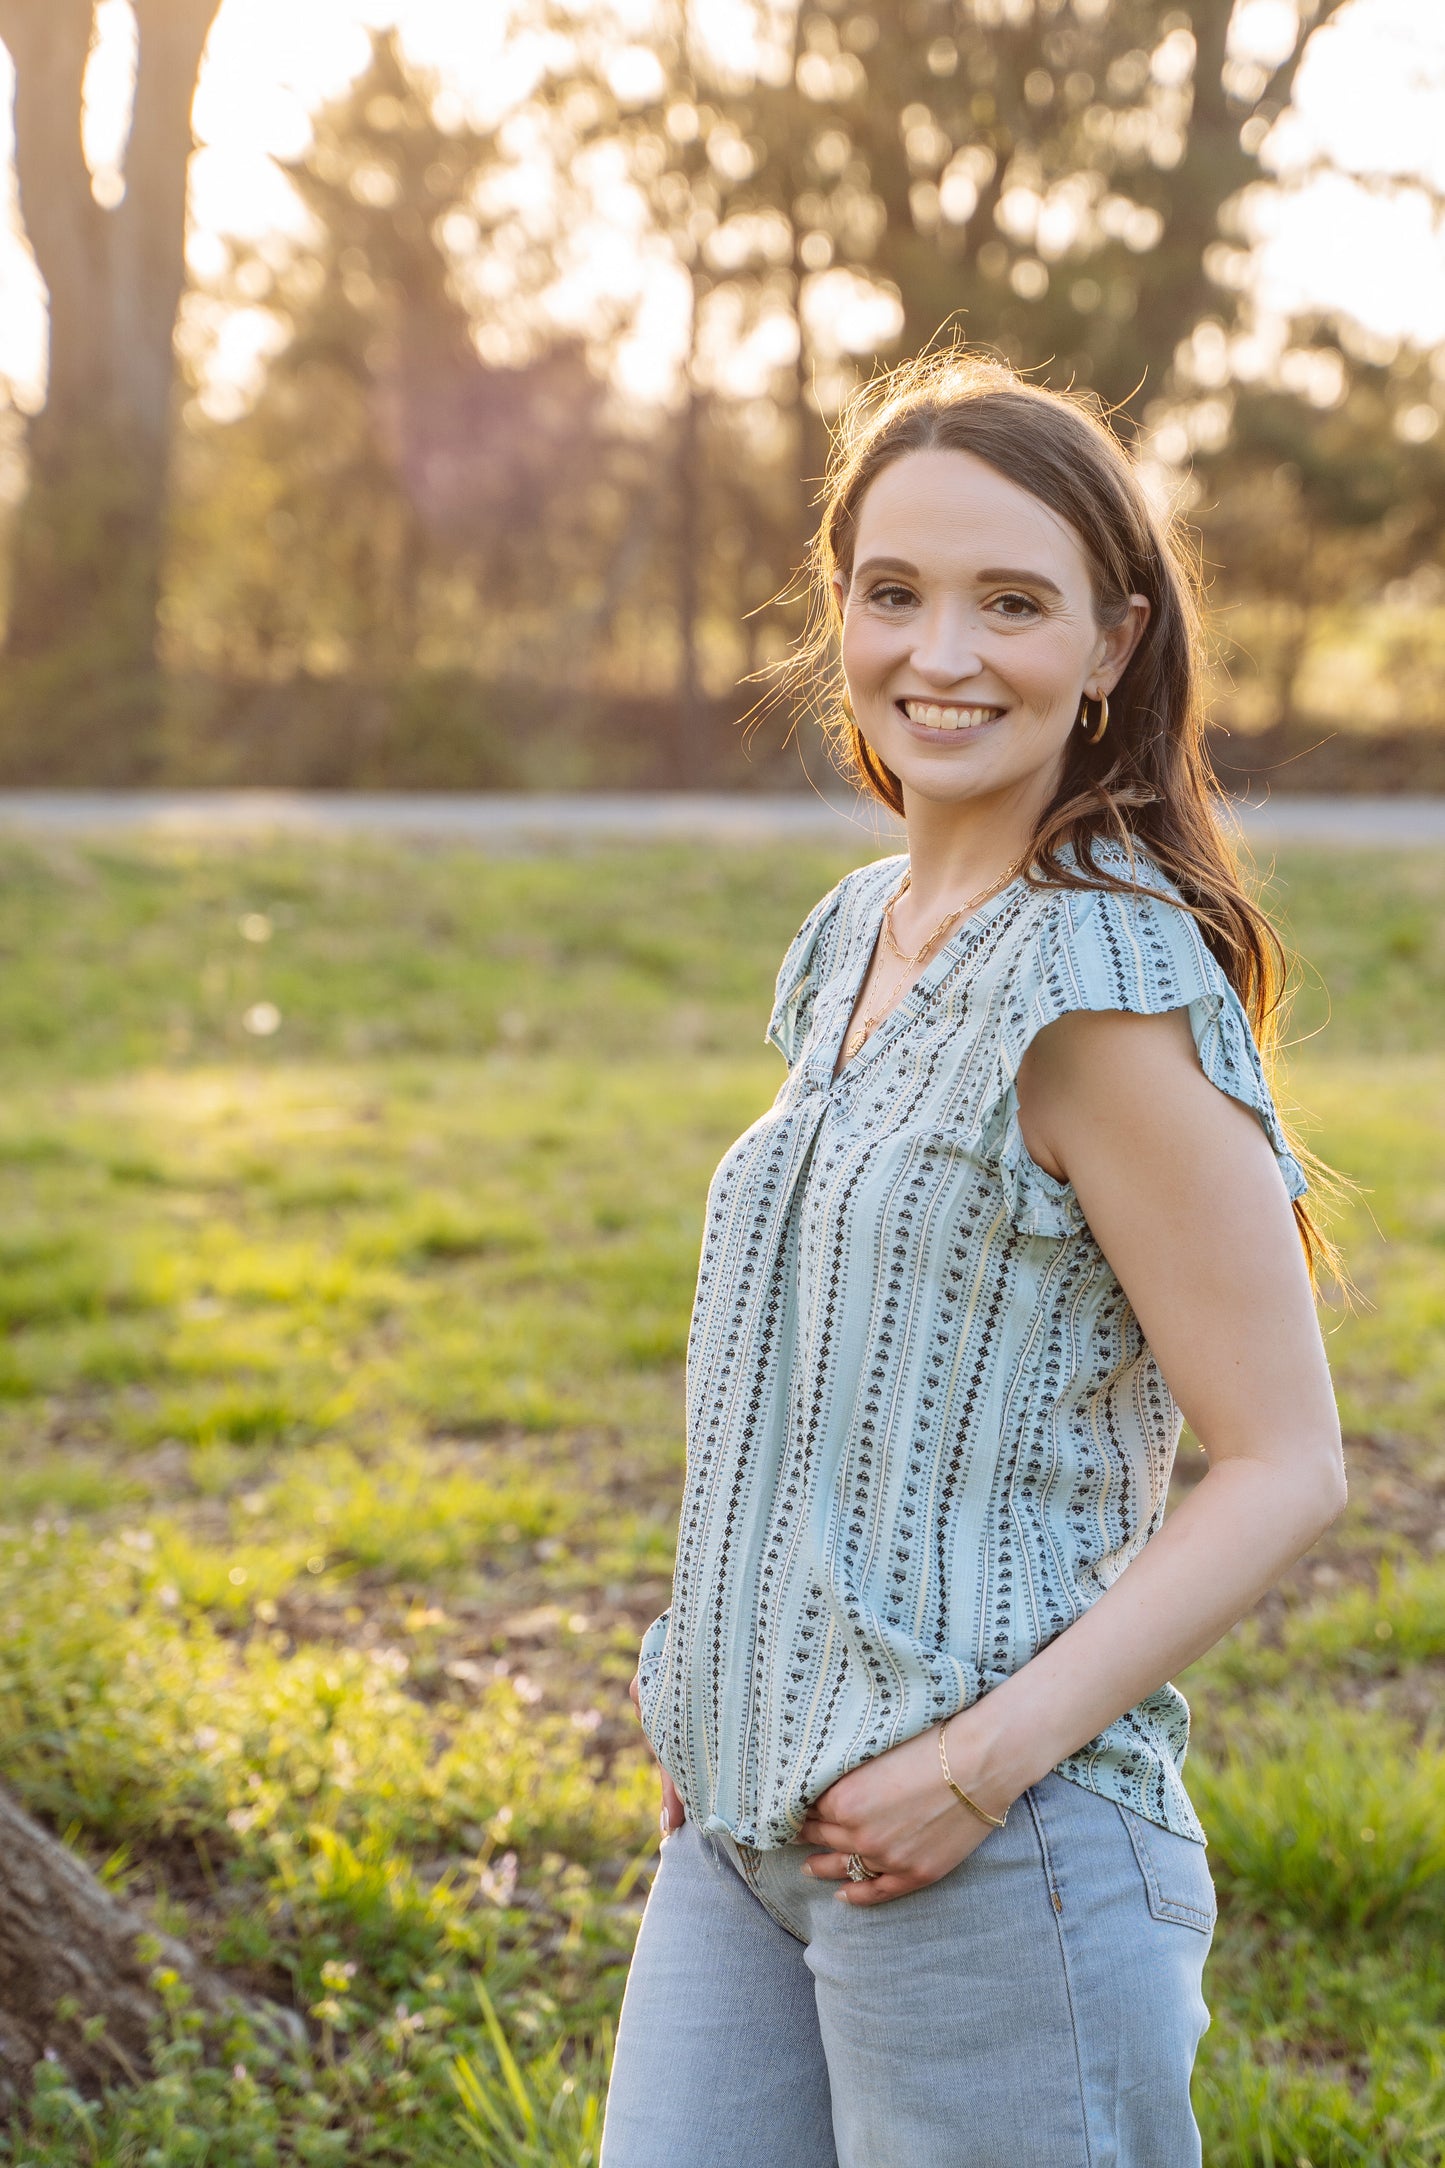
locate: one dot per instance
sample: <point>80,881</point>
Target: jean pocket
<point>1177,1881</point>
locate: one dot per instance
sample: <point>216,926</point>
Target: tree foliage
<point>384,460</point>
<point>447,467</point>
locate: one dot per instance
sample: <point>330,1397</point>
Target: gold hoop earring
<point>1093,737</point>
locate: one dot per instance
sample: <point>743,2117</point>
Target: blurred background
<point>401,393</point>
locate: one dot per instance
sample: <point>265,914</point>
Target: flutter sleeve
<point>799,977</point>
<point>1104,950</point>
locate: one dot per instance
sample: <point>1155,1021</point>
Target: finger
<point>674,1813</point>
<point>881,1892</point>
<point>827,1866</point>
<point>836,1835</point>
<point>823,1809</point>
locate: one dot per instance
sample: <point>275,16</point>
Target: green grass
<point>340,1443</point>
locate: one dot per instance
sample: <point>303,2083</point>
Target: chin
<point>957,776</point>
<point>950,778</point>
<point>938,789</point>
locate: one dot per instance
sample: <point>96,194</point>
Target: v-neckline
<point>946,952</point>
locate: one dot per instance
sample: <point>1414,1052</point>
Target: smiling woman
<point>933,1889</point>
<point>1097,597</point>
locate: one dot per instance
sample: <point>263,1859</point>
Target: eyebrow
<point>988,574</point>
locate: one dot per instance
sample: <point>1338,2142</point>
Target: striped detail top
<point>924,1429</point>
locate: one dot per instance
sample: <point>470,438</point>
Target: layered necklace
<point>887,996</point>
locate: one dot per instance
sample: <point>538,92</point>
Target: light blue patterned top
<point>925,1431</point>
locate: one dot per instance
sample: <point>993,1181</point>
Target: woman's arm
<point>1182,1193</point>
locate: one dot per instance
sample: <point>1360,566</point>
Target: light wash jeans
<point>1039,2007</point>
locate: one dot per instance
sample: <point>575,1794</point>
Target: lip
<point>924,734</point>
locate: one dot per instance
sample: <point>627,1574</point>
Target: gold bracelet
<point>994,1821</point>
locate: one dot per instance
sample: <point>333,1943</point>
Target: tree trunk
<point>1289,663</point>
<point>690,761</point>
<point>91,533</point>
<point>810,438</point>
<point>67,1955</point>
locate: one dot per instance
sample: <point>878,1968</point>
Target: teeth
<point>933,716</point>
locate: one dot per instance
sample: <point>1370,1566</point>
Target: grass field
<point>340,1453</point>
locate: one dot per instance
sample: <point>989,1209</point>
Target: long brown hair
<point>1148,785</point>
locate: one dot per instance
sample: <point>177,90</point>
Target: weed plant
<point>349,1208</point>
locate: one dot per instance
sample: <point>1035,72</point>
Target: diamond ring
<point>857,1872</point>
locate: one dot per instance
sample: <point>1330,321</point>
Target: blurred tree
<point>444,467</point>
<point>1312,499</point>
<point>384,462</point>
<point>729,161</point>
<point>89,536</point>
<point>1060,181</point>
<point>674,162</point>
<point>1061,177</point>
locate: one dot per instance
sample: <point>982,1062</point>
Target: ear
<point>1115,646</point>
<point>840,591</point>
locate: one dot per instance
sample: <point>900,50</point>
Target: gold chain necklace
<point>939,930</point>
<point>867,1025</point>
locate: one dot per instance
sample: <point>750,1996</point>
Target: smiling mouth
<point>948,715</point>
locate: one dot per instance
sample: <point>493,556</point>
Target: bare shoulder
<point>1085,1044</point>
<point>1115,1081</point>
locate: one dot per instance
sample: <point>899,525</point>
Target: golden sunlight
<point>1367,102</point>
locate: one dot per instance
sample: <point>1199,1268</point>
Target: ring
<point>857,1872</point>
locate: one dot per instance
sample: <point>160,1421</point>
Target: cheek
<point>1046,674</point>
<point>1045,663</point>
<point>868,649</point>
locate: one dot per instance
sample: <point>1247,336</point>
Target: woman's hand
<point>673,1814</point>
<point>899,1816</point>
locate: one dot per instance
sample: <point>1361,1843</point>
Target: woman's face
<point>969,635</point>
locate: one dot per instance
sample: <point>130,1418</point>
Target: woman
<point>934,1895</point>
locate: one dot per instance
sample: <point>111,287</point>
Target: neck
<point>955,850</point>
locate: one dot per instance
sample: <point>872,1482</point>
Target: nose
<point>945,648</point>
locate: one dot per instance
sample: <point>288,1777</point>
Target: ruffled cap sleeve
<point>798,978</point>
<point>1105,950</point>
